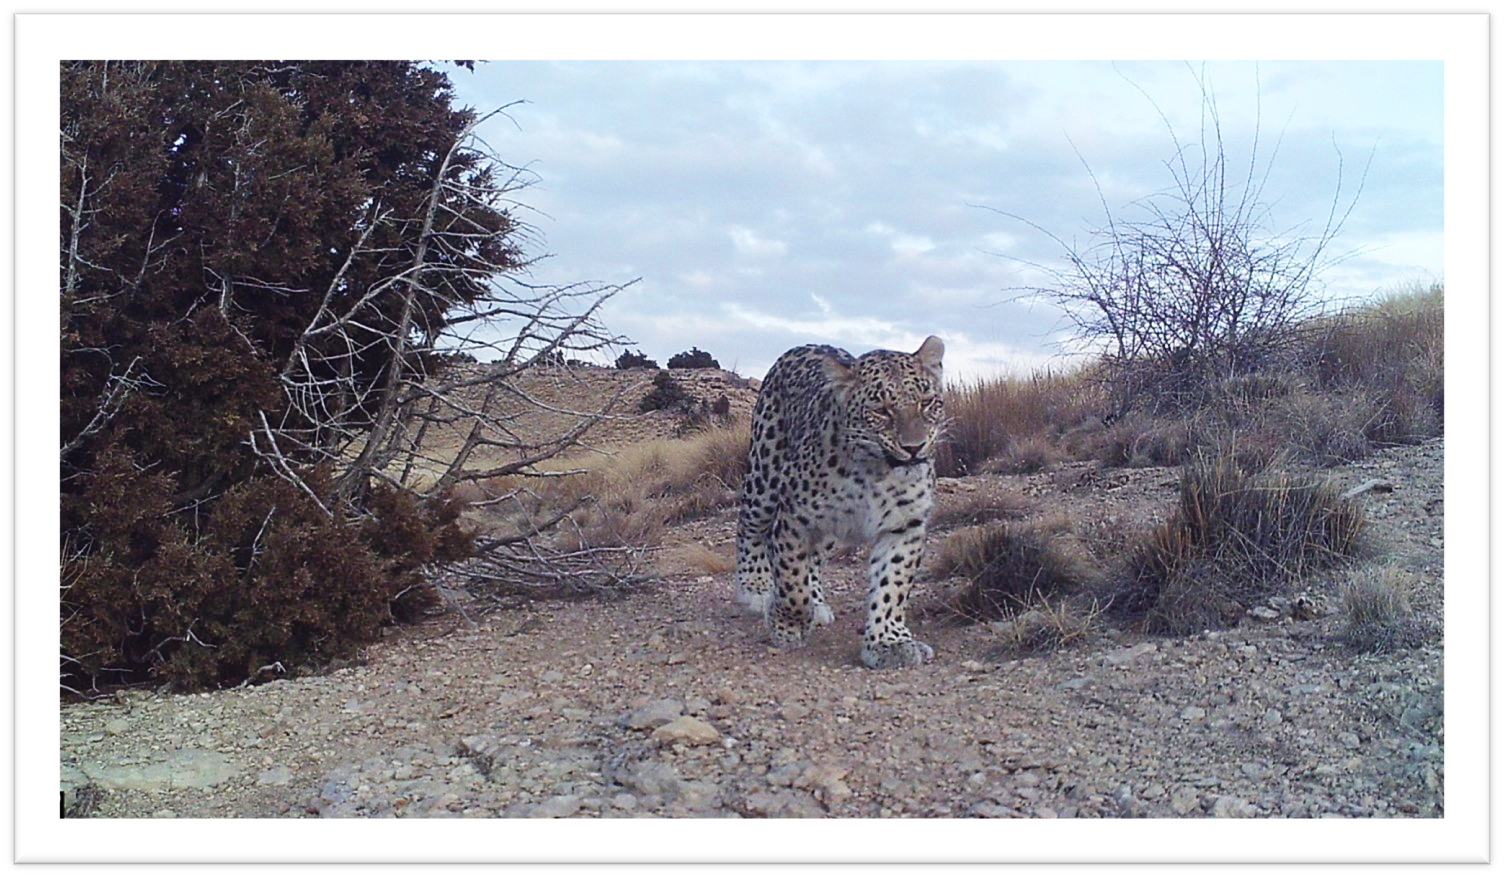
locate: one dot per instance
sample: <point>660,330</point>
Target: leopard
<point>842,454</point>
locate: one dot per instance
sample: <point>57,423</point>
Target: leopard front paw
<point>897,654</point>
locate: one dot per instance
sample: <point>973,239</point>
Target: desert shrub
<point>666,394</point>
<point>256,310</point>
<point>635,360</point>
<point>1233,538</point>
<point>1376,604</point>
<point>694,358</point>
<point>1009,563</point>
<point>1392,353</point>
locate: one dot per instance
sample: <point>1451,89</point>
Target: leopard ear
<point>930,354</point>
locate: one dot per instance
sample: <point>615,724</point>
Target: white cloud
<point>749,243</point>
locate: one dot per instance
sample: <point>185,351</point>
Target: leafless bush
<point>1191,285</point>
<point>390,427</point>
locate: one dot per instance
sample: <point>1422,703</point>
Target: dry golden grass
<point>1001,417</point>
<point>629,496</point>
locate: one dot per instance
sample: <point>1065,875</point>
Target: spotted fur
<point>840,455</point>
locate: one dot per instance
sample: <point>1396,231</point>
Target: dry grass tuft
<point>1376,602</point>
<point>1041,626</point>
<point>1008,564</point>
<point>628,497</point>
<point>1234,537</point>
<point>1012,419</point>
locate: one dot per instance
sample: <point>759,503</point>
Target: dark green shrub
<point>666,394</point>
<point>265,578</point>
<point>694,358</point>
<point>634,360</point>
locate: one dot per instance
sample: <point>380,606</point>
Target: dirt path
<point>668,702</point>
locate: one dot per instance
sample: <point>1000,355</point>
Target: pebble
<point>1231,806</point>
<point>653,714</point>
<point>687,730</point>
<point>277,775</point>
<point>1130,655</point>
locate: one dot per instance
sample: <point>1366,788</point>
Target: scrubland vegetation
<point>1255,515</point>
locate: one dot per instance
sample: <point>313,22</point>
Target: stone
<point>276,776</point>
<point>117,726</point>
<point>1129,655</point>
<point>1185,800</point>
<point>653,714</point>
<point>182,769</point>
<point>1231,806</point>
<point>1191,714</point>
<point>688,730</point>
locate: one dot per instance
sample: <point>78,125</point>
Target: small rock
<point>276,776</point>
<point>1185,800</point>
<point>989,809</point>
<point>652,715</point>
<point>1231,806</point>
<point>793,712</point>
<point>1265,614</point>
<point>1191,714</point>
<point>1076,683</point>
<point>688,730</point>
<point>651,778</point>
<point>1349,740</point>
<point>1045,812</point>
<point>1129,655</point>
<point>1255,770</point>
<point>117,726</point>
<point>556,807</point>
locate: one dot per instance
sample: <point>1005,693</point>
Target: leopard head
<point>893,402</point>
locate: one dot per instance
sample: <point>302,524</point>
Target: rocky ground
<point>668,702</point>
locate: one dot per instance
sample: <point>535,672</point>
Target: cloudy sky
<point>769,204</point>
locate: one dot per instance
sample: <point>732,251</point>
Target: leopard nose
<point>914,450</point>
